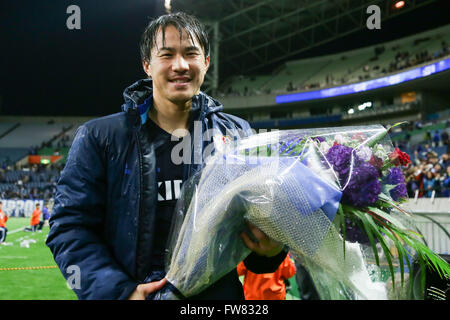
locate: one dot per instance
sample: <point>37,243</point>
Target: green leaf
<point>389,203</point>
<point>425,254</point>
<point>399,247</point>
<point>367,227</point>
<point>372,141</point>
<point>387,217</point>
<point>385,198</point>
<point>387,188</point>
<point>397,232</point>
<point>423,274</point>
<point>384,246</point>
<point>401,254</point>
<point>343,226</point>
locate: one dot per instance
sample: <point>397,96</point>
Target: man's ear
<point>207,61</point>
<point>146,67</point>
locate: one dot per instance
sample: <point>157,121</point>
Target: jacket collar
<point>139,99</point>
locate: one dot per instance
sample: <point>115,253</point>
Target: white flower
<point>379,151</point>
<point>339,138</point>
<point>324,147</point>
<point>364,153</point>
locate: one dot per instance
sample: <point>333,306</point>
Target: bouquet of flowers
<point>332,196</point>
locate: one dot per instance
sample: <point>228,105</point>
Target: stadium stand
<point>31,134</point>
<point>345,67</point>
<point>426,142</point>
<point>26,136</point>
<point>35,182</point>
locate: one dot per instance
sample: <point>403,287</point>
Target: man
<point>45,215</point>
<point>3,229</point>
<point>267,286</point>
<point>35,222</point>
<point>115,197</point>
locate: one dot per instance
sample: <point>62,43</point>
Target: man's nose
<point>180,64</point>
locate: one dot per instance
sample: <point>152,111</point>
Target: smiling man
<point>117,193</point>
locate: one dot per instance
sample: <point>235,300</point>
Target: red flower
<point>399,157</point>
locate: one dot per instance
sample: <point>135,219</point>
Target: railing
<point>14,127</point>
<point>432,217</point>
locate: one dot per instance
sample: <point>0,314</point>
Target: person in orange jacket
<point>36,223</point>
<point>267,286</point>
<point>3,229</point>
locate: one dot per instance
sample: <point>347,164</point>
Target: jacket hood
<point>139,96</point>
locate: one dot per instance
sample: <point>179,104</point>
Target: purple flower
<point>354,234</point>
<point>319,139</point>
<point>399,192</point>
<point>395,177</point>
<point>341,157</point>
<point>364,186</point>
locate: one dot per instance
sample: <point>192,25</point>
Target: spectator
<point>290,86</point>
<point>446,184</point>
<point>437,169</point>
<point>425,151</point>
<point>445,48</point>
<point>436,139</point>
<point>444,161</point>
<point>429,184</point>
<point>411,183</point>
<point>427,137</point>
<point>444,137</point>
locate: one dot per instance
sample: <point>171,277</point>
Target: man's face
<point>177,66</point>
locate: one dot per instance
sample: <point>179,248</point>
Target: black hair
<point>179,20</point>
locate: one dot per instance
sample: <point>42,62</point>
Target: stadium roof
<point>258,35</point>
<point>48,69</point>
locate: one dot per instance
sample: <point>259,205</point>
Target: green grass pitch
<point>29,284</point>
<point>45,283</point>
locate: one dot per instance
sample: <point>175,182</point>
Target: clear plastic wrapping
<point>311,190</point>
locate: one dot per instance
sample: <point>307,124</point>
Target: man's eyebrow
<point>166,49</point>
<point>170,49</point>
<point>192,48</point>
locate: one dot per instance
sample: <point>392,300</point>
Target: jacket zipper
<point>138,143</point>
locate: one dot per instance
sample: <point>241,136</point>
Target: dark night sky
<point>46,69</point>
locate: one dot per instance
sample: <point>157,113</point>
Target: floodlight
<point>399,4</point>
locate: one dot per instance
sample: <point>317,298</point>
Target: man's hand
<point>264,246</point>
<point>143,290</point>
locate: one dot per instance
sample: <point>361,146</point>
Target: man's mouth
<point>180,80</point>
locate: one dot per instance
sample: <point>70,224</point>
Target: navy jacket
<point>106,197</point>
